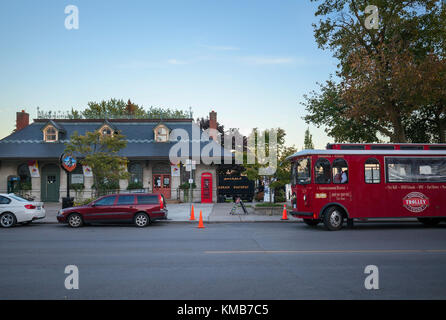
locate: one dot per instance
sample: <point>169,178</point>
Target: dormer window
<point>161,133</point>
<point>50,134</point>
<point>106,131</point>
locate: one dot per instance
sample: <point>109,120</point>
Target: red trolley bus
<point>366,181</point>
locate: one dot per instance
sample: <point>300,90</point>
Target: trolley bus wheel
<point>430,222</point>
<point>333,218</point>
<point>312,222</point>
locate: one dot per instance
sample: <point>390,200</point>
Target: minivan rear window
<point>146,199</point>
<point>126,200</point>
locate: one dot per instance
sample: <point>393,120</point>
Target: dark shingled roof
<point>28,143</point>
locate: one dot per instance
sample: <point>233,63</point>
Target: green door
<point>50,183</point>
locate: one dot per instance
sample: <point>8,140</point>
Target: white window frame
<point>165,135</point>
<point>46,134</point>
<point>106,127</point>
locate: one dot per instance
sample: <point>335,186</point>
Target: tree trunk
<point>399,136</point>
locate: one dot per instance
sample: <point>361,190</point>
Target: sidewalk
<point>220,213</point>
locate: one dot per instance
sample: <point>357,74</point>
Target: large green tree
<point>374,90</point>
<point>326,108</point>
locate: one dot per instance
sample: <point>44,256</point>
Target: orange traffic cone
<point>192,216</point>
<point>200,221</point>
<point>284,215</point>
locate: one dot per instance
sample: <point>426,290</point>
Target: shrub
<point>24,186</point>
<point>77,187</point>
<point>187,185</point>
<point>135,185</point>
<point>112,185</point>
<point>268,204</point>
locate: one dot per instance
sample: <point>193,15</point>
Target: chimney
<point>22,120</point>
<point>213,124</point>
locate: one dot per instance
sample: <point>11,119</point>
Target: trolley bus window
<point>416,169</point>
<point>372,171</point>
<point>303,171</point>
<point>322,171</point>
<point>340,171</point>
<point>293,173</point>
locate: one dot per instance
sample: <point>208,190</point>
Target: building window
<point>50,134</point>
<point>161,133</point>
<point>135,170</point>
<point>372,171</point>
<point>322,171</point>
<point>340,171</point>
<point>106,131</point>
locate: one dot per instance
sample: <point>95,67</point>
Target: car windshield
<point>303,171</point>
<point>18,198</point>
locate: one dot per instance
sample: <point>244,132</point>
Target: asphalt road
<point>223,261</point>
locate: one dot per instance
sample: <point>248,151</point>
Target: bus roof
<point>311,152</point>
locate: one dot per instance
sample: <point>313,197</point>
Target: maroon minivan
<point>138,208</point>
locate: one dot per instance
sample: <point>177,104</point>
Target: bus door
<point>369,198</point>
<point>304,190</point>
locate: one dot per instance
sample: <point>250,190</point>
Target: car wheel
<point>75,220</point>
<point>7,220</point>
<point>430,222</point>
<point>141,220</point>
<point>333,218</point>
<point>312,222</point>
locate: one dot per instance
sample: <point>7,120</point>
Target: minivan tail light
<point>30,206</point>
<point>161,202</point>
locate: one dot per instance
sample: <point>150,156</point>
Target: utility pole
<point>190,167</point>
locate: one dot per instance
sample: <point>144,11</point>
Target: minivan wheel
<point>7,220</point>
<point>75,220</point>
<point>333,218</point>
<point>141,220</point>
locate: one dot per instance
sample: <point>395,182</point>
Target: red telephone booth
<point>206,187</point>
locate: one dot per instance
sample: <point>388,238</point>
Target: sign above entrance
<point>68,162</point>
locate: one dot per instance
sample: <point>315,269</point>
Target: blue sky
<point>251,61</point>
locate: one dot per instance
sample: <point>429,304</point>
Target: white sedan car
<point>15,209</point>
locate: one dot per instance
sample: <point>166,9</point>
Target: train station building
<point>29,159</point>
